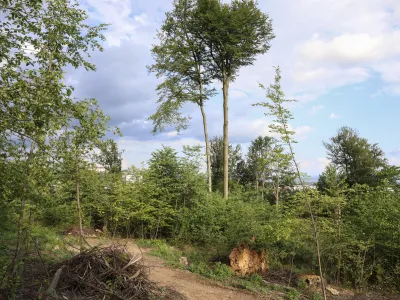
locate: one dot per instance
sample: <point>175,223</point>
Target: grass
<point>199,263</point>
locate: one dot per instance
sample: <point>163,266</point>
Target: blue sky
<point>340,59</point>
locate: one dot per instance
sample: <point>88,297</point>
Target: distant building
<point>128,178</point>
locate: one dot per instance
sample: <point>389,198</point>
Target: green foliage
<point>317,296</point>
<point>222,271</point>
<point>293,295</point>
<point>110,158</point>
<point>236,163</point>
<point>357,158</point>
<point>50,144</point>
<point>166,252</point>
<point>233,33</point>
<point>181,60</point>
<point>256,279</point>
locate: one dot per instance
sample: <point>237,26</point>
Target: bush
<point>222,271</point>
<point>293,295</point>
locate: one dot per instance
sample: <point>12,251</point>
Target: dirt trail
<point>184,282</point>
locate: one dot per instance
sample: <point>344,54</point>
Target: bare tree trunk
<point>78,206</point>
<point>262,186</point>
<point>225,89</point>
<point>208,153</point>
<point>339,215</point>
<point>277,192</point>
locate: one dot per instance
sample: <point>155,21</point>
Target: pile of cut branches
<point>104,273</point>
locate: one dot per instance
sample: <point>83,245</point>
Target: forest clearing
<point>173,197</point>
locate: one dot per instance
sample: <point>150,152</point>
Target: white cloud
<point>172,133</point>
<point>138,152</point>
<point>347,48</point>
<point>236,94</point>
<point>246,130</point>
<point>313,167</point>
<point>345,43</point>
<point>333,116</point>
<point>316,108</point>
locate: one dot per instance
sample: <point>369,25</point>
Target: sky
<point>339,58</point>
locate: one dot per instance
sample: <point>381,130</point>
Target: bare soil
<point>195,287</point>
<point>191,285</point>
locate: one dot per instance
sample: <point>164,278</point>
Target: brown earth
<point>195,287</point>
<point>191,285</point>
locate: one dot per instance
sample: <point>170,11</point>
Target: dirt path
<point>191,285</point>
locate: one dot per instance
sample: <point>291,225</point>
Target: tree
<point>332,181</point>
<point>181,61</point>
<point>269,163</point>
<point>217,162</point>
<point>276,107</point>
<point>76,146</point>
<point>259,156</point>
<point>39,38</point>
<point>110,158</point>
<point>355,156</point>
<point>234,34</point>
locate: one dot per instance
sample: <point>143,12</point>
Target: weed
<point>293,295</point>
<point>222,271</point>
<point>317,296</point>
<point>256,279</point>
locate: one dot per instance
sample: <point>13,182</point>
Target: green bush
<point>293,295</point>
<point>317,296</point>
<point>256,279</point>
<point>222,271</point>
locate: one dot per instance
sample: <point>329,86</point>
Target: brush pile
<point>105,273</point>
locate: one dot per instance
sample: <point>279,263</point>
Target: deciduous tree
<point>234,34</point>
<point>181,60</point>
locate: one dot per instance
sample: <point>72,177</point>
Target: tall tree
<point>76,145</point>
<point>234,34</point>
<point>181,61</point>
<point>39,38</point>
<point>276,106</point>
<point>355,156</point>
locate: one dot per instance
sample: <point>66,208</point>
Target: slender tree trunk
<point>313,221</point>
<point>262,186</point>
<point>208,152</point>
<point>277,192</point>
<point>339,214</point>
<point>225,89</point>
<point>18,247</point>
<point>78,206</point>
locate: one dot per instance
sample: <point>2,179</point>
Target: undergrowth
<point>200,262</point>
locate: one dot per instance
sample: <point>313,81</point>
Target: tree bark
<point>225,89</point>
<point>208,154</point>
<point>78,206</point>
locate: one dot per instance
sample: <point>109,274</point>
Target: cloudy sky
<point>339,58</point>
